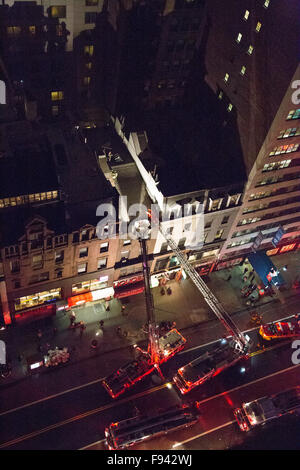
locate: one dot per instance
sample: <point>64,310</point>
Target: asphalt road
<point>76,418</point>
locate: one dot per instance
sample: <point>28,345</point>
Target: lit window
<point>83,252</point>
<point>13,30</point>
<point>243,70</point>
<point>32,29</point>
<point>89,50</point>
<point>239,38</point>
<point>250,50</point>
<point>57,95</point>
<point>88,65</point>
<point>55,110</point>
<point>219,234</point>
<point>229,107</point>
<point>293,114</point>
<point>266,3</point>
<point>58,11</point>
<point>87,80</point>
<point>82,268</point>
<point>126,242</point>
<point>246,15</point>
<point>104,247</point>
<point>226,78</point>
<point>102,263</point>
<point>220,96</point>
<point>258,27</point>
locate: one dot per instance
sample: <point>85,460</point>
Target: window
<point>37,299</point>
<point>15,266</point>
<point>161,264</point>
<point>86,80</point>
<point>243,70</point>
<point>246,15</point>
<point>266,3</point>
<point>239,38</point>
<point>58,11</point>
<point>208,224</point>
<point>220,95</point>
<point>284,149</point>
<point>82,268</point>
<point>229,107</point>
<point>59,256</point>
<point>91,3</point>
<point>293,114</point>
<point>124,256</point>
<point>126,242</point>
<point>219,234</point>
<point>37,261</point>
<point>102,263</point>
<point>84,235</point>
<point>17,284</point>
<point>89,65</point>
<point>83,252</point>
<point>225,219</point>
<point>32,29</point>
<point>55,110</point>
<point>291,132</point>
<point>89,50</point>
<point>57,95</point>
<point>258,27</point>
<point>90,17</point>
<point>250,50</point>
<point>104,247</point>
<point>215,204</point>
<point>276,165</point>
<point>13,30</point>
<point>226,78</point>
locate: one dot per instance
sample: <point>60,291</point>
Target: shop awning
<point>129,289</point>
<point>36,313</point>
<point>264,267</point>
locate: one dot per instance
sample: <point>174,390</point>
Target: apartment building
<point>252,74</point>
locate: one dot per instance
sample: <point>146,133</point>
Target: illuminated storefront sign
<point>91,296</point>
<point>287,248</point>
<point>127,281</point>
<point>86,286</point>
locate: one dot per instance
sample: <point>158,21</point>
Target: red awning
<point>130,289</point>
<point>36,313</point>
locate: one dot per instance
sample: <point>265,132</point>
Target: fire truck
<point>207,366</point>
<point>280,329</point>
<point>160,347</point>
<point>264,409</point>
<point>157,353</point>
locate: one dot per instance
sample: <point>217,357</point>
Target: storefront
<point>35,313</point>
<point>92,296</point>
<point>129,286</point>
<point>90,285</point>
<point>176,273</point>
<point>39,298</point>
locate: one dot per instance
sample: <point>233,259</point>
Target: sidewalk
<point>185,306</point>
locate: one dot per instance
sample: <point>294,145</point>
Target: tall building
<point>252,59</point>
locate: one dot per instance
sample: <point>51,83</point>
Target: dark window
<point>90,17</point>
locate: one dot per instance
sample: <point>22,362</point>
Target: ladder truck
<point>228,353</point>
<point>160,347</point>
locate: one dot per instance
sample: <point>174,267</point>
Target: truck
<point>207,365</point>
<point>280,329</point>
<point>260,411</point>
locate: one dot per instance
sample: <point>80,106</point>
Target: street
<point>77,417</point>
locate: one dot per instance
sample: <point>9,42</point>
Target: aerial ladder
<point>161,347</point>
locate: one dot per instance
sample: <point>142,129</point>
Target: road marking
<point>50,397</point>
<point>93,444</point>
<point>203,434</point>
<point>79,417</point>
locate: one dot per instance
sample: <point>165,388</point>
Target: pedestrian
<point>229,277</point>
<point>82,328</point>
<point>107,308</point>
<point>101,323</point>
<point>245,270</point>
<point>72,318</point>
<point>123,310</point>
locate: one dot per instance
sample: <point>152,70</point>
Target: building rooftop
<point>26,162</point>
